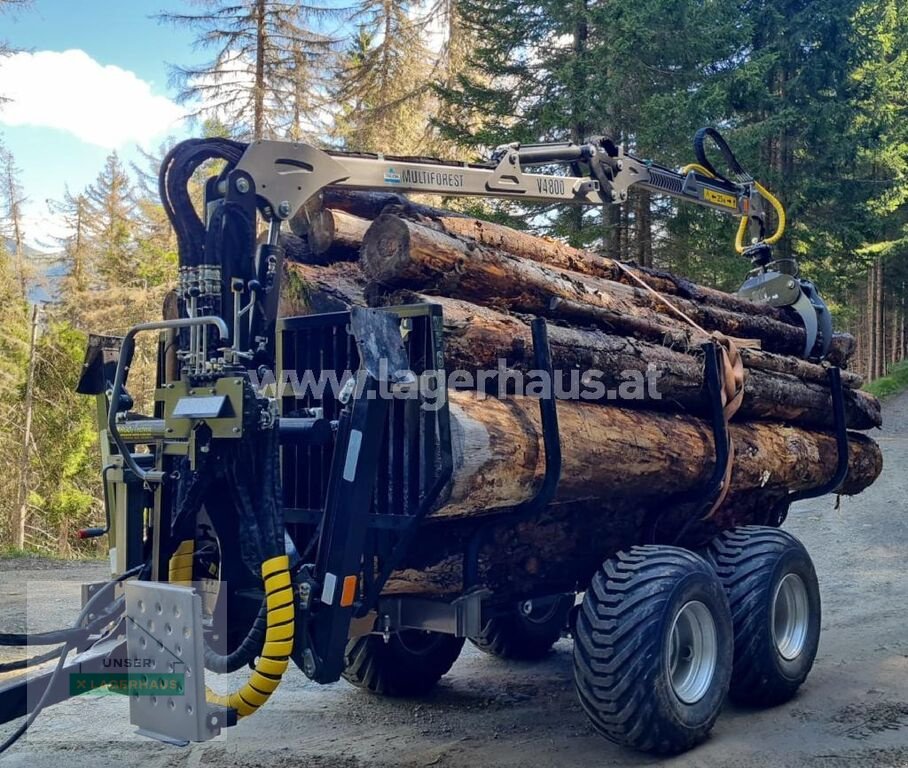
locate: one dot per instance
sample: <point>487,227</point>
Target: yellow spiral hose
<point>279,632</point>
<point>273,661</point>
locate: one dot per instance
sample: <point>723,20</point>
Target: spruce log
<point>476,337</point>
<point>556,253</point>
<point>309,289</point>
<point>552,551</point>
<point>613,454</point>
<point>399,252</point>
<point>481,339</point>
<point>329,235</point>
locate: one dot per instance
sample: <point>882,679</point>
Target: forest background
<point>810,93</point>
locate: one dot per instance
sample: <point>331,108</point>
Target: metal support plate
<point>461,618</point>
<point>165,647</point>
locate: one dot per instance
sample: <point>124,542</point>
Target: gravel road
<point>853,710</point>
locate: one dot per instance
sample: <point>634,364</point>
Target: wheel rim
<point>538,611</point>
<point>692,652</point>
<point>790,616</point>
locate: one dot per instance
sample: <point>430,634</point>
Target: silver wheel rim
<point>790,616</point>
<point>693,650</point>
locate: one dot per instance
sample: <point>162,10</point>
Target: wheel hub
<point>693,651</point>
<point>790,616</point>
<point>538,611</point>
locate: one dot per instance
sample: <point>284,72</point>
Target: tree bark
<point>558,254</point>
<point>258,112</point>
<point>553,550</point>
<point>398,252</point>
<point>21,513</point>
<point>879,325</point>
<point>499,458</point>
<point>310,289</point>
<point>479,339</point>
<point>619,454</point>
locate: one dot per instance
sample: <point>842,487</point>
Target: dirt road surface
<point>853,710</point>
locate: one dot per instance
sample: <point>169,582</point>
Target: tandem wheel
<point>775,605</point>
<point>527,630</point>
<point>653,649</point>
<point>410,663</point>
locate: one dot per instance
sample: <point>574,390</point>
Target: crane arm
<point>288,174</point>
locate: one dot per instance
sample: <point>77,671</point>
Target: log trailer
<point>250,527</point>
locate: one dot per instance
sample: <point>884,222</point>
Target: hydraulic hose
<point>280,628</point>
<point>271,635</point>
<point>740,245</point>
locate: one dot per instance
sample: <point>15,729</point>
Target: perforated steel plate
<point>165,658</point>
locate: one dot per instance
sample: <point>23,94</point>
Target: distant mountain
<point>47,271</point>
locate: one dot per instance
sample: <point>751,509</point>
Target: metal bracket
<point>166,655</point>
<point>123,363</point>
<point>836,391</point>
<point>705,496</point>
<point>551,437</point>
<point>461,617</point>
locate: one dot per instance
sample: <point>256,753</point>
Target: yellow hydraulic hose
<point>179,570</point>
<point>272,662</point>
<point>279,632</point>
<point>740,245</point>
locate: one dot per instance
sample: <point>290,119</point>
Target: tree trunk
<point>499,458</point>
<point>618,454</point>
<point>402,253</point>
<point>330,235</point>
<point>258,117</point>
<point>481,340</point>
<point>331,288</point>
<point>557,254</point>
<point>21,514</point>
<point>879,326</point>
<point>643,225</point>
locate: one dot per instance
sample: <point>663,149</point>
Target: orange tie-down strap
<point>733,374</point>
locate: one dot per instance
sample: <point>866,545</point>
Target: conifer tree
<point>384,80</point>
<point>268,58</point>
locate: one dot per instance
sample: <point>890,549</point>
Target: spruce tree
<point>384,80</point>
<point>268,64</point>
<point>110,223</point>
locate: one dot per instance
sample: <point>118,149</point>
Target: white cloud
<point>103,105</point>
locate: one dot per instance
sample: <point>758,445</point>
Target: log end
<point>385,250</point>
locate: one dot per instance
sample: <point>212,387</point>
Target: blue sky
<point>109,109</point>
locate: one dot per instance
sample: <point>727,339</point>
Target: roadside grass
<point>14,553</point>
<point>892,383</point>
<point>11,553</point>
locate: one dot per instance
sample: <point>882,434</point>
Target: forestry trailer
<point>249,527</point>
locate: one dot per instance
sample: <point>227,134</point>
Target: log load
<point>558,254</point>
<point>476,338</point>
<point>325,236</point>
<point>618,453</point>
<point>399,252</point>
<point>624,463</point>
<point>549,552</point>
<point>618,467</point>
<point>308,289</point>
